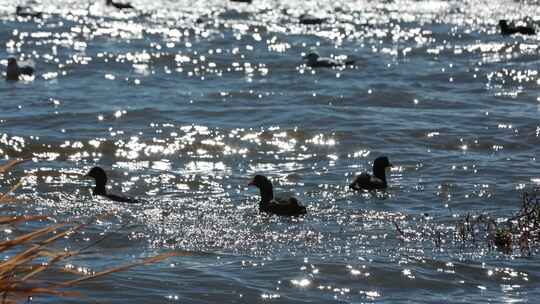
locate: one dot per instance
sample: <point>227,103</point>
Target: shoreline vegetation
<point>517,234</point>
<point>29,256</point>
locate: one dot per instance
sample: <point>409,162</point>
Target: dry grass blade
<point>151,260</point>
<point>20,264</point>
<point>5,196</point>
<point>12,163</point>
<point>55,257</point>
<point>38,251</point>
<point>52,254</point>
<point>16,273</point>
<point>27,237</point>
<point>106,236</point>
<point>29,291</point>
<point>41,268</point>
<point>61,235</point>
<point>20,259</point>
<point>4,220</point>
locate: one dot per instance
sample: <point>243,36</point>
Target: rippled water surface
<point>183,102</point>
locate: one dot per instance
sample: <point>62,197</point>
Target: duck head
<point>503,24</point>
<point>312,57</point>
<point>379,167</point>
<point>100,176</point>
<point>265,187</point>
<point>12,71</point>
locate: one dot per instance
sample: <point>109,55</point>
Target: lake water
<point>184,102</point>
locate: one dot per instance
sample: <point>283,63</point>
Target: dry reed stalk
<point>147,261</point>
<point>518,232</point>
<point>17,271</point>
<point>12,163</point>
<point>24,218</point>
<point>5,197</point>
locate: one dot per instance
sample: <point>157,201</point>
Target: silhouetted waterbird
<point>366,181</point>
<point>310,20</point>
<point>26,12</point>
<point>100,177</point>
<point>507,29</point>
<point>14,71</point>
<point>285,207</point>
<point>315,61</point>
<point>119,5</point>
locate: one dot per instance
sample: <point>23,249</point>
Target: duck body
<point>27,12</point>
<point>100,177</point>
<point>14,71</point>
<point>506,29</point>
<point>366,181</point>
<point>375,181</point>
<point>118,198</point>
<point>315,61</point>
<point>119,6</point>
<point>242,1</point>
<point>310,20</point>
<point>283,207</point>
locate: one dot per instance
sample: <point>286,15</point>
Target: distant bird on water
<point>14,71</point>
<point>315,61</point>
<point>310,20</point>
<point>507,29</point>
<point>377,181</point>
<point>242,1</point>
<point>100,177</point>
<point>26,12</point>
<point>285,207</point>
<point>119,6</point>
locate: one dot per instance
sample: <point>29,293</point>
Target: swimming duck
<point>286,207</point>
<point>101,180</point>
<point>310,20</point>
<point>366,181</point>
<point>13,70</point>
<point>510,30</point>
<point>315,61</point>
<point>27,12</point>
<point>119,6</point>
<point>242,1</point>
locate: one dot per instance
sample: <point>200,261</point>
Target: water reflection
<point>184,102</point>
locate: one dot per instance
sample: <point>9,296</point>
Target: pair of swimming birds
<point>30,12</point>
<point>14,71</point>
<point>268,204</point>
